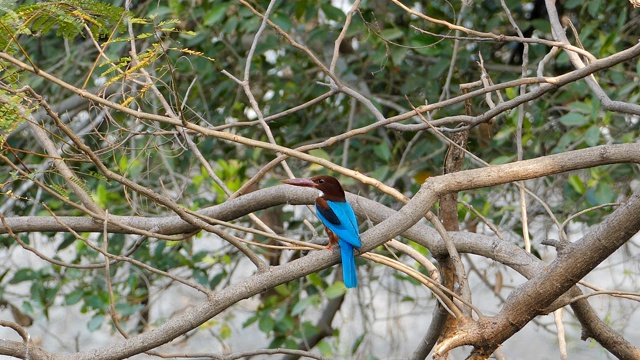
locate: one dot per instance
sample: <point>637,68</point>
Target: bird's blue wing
<point>340,218</point>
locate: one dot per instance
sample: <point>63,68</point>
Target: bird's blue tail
<point>349,275</point>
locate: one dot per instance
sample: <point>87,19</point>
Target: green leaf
<point>94,301</point>
<point>592,135</point>
<point>67,240</point>
<point>571,4</point>
<point>27,307</point>
<point>283,21</point>
<point>356,344</point>
<point>391,34</point>
<point>123,163</point>
<point>566,139</point>
<point>580,106</point>
<point>38,293</point>
<point>320,153</point>
<point>308,329</point>
<point>200,276</point>
<point>504,159</point>
<point>281,313</point>
<point>382,151</point>
<point>283,290</point>
<point>160,246</point>
<point>125,309</point>
<point>215,15</point>
<point>325,349</point>
<point>250,321</point>
<point>600,194</point>
<point>266,323</point>
<point>398,54</point>
<point>577,184</point>
<point>380,173</point>
<point>95,323</point>
<point>302,305</point>
<point>73,297</point>
<point>315,279</point>
<point>286,324</point>
<point>225,331</point>
<point>336,289</point>
<point>594,7</point>
<point>574,119</point>
<point>278,342</point>
<point>25,274</point>
<point>332,12</point>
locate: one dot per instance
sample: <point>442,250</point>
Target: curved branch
<point>24,351</point>
<point>607,103</point>
<point>278,195</point>
<point>403,221</point>
<point>576,261</point>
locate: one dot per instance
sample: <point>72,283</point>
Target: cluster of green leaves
<point>68,17</point>
<point>12,113</point>
<point>281,311</point>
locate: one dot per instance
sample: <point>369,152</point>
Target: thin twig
<point>523,89</point>
<point>562,341</point>
<point>107,270</point>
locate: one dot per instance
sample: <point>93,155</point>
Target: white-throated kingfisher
<point>338,218</point>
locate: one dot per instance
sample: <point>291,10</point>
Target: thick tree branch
<point>576,261</point>
<point>265,198</point>
<point>390,227</point>
<point>559,34</point>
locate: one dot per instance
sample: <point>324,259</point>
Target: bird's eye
<point>320,181</point>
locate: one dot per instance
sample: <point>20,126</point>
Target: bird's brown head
<point>330,187</point>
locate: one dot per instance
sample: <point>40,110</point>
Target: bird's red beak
<point>300,182</point>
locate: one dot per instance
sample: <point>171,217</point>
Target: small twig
<point>107,270</point>
<point>26,338</point>
<point>523,89</point>
<point>217,180</point>
<point>562,341</point>
<point>545,60</point>
<point>347,141</point>
<point>492,36</point>
<point>46,143</point>
<point>415,255</point>
<point>41,255</point>
<point>579,213</point>
<point>246,86</point>
<point>461,273</point>
<point>343,33</point>
<point>454,56</point>
<point>131,261</point>
<point>560,35</point>
<point>438,290</point>
<point>249,354</point>
<point>483,218</point>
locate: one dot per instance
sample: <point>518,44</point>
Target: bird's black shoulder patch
<point>323,207</point>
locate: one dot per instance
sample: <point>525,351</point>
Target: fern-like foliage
<point>8,28</point>
<point>15,104</point>
<point>63,191</point>
<point>12,113</point>
<point>66,17</point>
